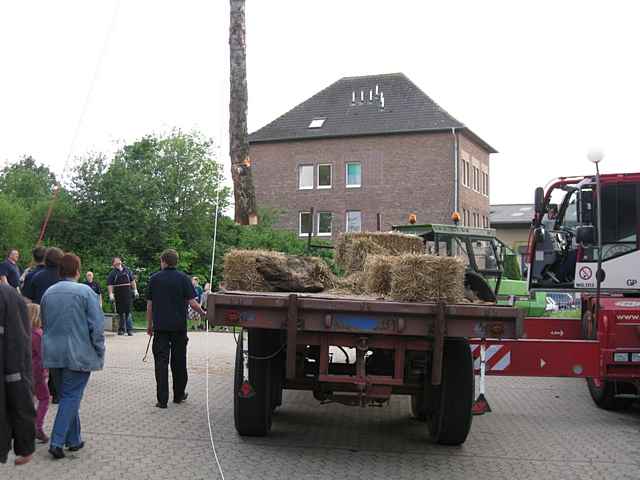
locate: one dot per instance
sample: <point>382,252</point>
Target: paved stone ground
<point>540,428</point>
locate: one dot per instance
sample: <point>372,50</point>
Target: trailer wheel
<point>252,415</point>
<point>450,418</point>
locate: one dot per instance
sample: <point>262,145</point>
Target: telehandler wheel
<point>603,394</point>
<point>252,414</point>
<point>450,410</point>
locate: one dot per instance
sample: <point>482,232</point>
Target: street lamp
<point>595,156</point>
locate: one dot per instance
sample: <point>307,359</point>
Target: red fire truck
<point>585,239</point>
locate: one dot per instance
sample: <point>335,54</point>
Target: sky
<point>542,82</point>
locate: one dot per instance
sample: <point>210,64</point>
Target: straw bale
<point>427,278</point>
<point>240,270</point>
<point>264,271</point>
<point>377,273</point>
<point>353,248</point>
<point>350,285</point>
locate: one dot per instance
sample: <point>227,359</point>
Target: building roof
<point>369,105</point>
<point>519,214</point>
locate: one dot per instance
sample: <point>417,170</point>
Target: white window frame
<point>346,220</point>
<point>324,187</point>
<point>346,175</point>
<point>330,232</point>
<point>300,233</point>
<point>317,122</point>
<point>300,167</point>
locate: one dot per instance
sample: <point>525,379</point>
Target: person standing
<point>17,414</point>
<point>40,374</point>
<point>95,286</point>
<point>46,277</point>
<point>169,293</point>
<point>9,270</point>
<point>122,285</point>
<point>73,343</point>
<point>38,265</point>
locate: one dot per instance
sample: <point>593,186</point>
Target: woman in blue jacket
<point>73,343</point>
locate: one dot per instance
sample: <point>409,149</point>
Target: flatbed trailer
<point>417,349</point>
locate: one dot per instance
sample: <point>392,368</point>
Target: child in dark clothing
<point>40,374</point>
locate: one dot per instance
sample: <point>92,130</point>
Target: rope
<point>83,113</point>
<point>213,256</point>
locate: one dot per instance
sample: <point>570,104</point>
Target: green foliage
<point>511,267</point>
<point>158,192</point>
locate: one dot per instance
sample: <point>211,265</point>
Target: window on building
<point>354,221</point>
<point>324,223</point>
<point>317,122</point>
<point>305,177</point>
<point>305,223</point>
<point>354,174</point>
<point>324,176</point>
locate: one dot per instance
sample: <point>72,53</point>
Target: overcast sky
<point>540,81</point>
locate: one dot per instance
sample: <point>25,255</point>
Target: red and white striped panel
<point>497,357</point>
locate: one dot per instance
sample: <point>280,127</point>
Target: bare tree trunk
<point>243,191</point>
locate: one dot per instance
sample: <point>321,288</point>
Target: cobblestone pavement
<point>539,429</point>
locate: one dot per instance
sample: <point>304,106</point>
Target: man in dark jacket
<point>17,413</point>
<point>169,293</point>
<point>45,277</point>
<point>38,265</point>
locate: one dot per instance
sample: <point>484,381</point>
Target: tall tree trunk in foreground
<point>243,191</point>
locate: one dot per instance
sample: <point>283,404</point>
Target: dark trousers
<point>125,323</point>
<point>170,348</point>
<point>55,379</point>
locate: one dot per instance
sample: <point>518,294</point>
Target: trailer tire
<point>450,419</point>
<point>252,415</point>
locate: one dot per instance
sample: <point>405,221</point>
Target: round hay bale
<point>377,273</point>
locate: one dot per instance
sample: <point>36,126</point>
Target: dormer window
<point>317,122</point>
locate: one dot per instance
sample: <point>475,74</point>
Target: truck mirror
<point>585,210</point>
<point>585,234</point>
<point>539,201</point>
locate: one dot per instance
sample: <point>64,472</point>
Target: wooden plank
<point>438,346</point>
<point>292,327</point>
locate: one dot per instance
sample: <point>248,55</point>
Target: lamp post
<point>595,156</point>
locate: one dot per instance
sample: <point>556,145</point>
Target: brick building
<point>366,152</point>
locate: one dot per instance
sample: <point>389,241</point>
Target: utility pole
<point>243,190</point>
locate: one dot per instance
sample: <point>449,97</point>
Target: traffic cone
<point>481,405</point>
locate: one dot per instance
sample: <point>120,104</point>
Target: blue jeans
<point>66,428</point>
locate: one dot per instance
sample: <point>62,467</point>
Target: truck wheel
<point>450,418</point>
<point>252,415</point>
<point>603,394</point>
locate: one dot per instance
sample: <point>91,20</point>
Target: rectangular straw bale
<point>240,272</point>
<point>353,248</point>
<point>350,285</point>
<point>377,273</point>
<point>427,278</point>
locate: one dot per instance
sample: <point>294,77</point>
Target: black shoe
<point>185,395</point>
<point>120,333</point>
<point>161,405</point>
<point>56,452</point>
<point>130,334</point>
<point>55,400</point>
<point>76,447</point>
